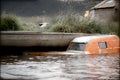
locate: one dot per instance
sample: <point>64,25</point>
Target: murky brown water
<point>82,67</point>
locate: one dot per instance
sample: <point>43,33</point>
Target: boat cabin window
<point>77,46</point>
<point>102,45</point>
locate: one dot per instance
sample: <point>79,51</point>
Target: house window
<point>102,45</point>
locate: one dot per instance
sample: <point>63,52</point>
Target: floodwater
<point>74,67</point>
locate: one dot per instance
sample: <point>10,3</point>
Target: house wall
<point>104,15</point>
<point>117,4</point>
<point>117,10</point>
<point>107,14</point>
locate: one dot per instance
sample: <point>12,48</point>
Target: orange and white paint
<point>99,44</point>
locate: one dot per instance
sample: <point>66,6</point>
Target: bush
<point>78,24</point>
<point>9,22</point>
<point>74,23</point>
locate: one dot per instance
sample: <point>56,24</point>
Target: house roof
<point>105,4</point>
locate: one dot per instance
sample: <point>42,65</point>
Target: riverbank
<point>21,41</point>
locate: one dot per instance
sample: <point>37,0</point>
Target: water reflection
<point>82,67</point>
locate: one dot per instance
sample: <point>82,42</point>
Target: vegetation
<point>30,26</point>
<point>9,22</point>
<point>76,23</point>
<point>111,28</point>
<point>71,23</point>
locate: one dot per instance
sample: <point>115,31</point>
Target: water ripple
<point>83,67</point>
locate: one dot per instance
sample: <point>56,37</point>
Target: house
<point>105,11</point>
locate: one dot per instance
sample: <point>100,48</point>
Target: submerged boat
<point>100,44</point>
